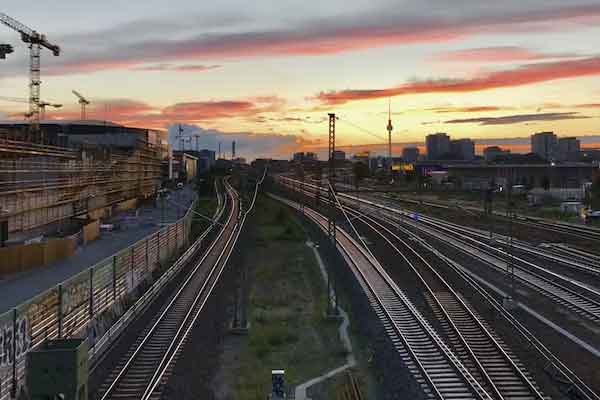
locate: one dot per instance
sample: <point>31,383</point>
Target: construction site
<point>60,179</point>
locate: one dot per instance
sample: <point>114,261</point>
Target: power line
<point>363,129</point>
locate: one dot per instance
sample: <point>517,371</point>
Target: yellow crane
<point>83,101</point>
<point>36,41</point>
<point>42,105</point>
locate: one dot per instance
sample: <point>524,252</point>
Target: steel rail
<point>474,320</point>
<point>170,305</point>
<point>567,376</point>
<point>158,376</point>
<point>399,311</point>
<point>558,292</point>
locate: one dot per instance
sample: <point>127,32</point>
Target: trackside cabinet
<point>58,369</point>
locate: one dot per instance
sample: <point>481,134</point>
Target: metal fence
<point>86,304</point>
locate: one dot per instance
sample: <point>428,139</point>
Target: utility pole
<point>331,221</point>
<point>509,302</point>
<point>180,136</point>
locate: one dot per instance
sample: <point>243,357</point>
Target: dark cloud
<point>382,27</point>
<point>517,119</point>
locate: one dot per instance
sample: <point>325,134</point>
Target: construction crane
<point>4,50</point>
<point>42,105</point>
<point>83,101</point>
<point>36,41</point>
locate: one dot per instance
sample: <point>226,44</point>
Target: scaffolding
<point>42,184</point>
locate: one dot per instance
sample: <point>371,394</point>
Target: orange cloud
<point>524,75</point>
<point>182,68</point>
<point>468,109</point>
<point>140,114</point>
<point>498,54</point>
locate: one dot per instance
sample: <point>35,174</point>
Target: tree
<point>361,171</point>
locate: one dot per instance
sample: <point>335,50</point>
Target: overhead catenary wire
<point>360,128</point>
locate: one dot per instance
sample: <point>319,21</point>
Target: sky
<point>267,73</point>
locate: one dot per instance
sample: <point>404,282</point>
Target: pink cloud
<point>524,75</point>
<point>498,54</point>
<point>135,113</point>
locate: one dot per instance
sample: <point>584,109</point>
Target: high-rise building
<point>544,145</point>
<point>491,153</point>
<point>463,149</point>
<point>410,154</point>
<point>568,148</point>
<point>438,144</point>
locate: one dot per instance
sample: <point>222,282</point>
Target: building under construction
<point>73,171</point>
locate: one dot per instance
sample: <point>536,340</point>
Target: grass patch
<point>287,306</point>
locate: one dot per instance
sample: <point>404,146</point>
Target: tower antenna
<point>389,129</point>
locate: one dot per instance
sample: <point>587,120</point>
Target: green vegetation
<point>288,327</point>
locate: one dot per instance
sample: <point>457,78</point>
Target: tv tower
<point>389,129</point>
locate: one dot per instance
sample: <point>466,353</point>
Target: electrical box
<point>58,369</point>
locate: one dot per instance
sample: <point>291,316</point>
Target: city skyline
<point>267,76</point>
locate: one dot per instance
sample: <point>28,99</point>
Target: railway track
<point>572,294</point>
<point>563,228</point>
<point>141,372</point>
<point>499,371</point>
<point>564,376</point>
<point>437,369</point>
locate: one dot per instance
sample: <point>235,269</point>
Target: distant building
<point>463,149</point>
<point>339,155</point>
<point>544,145</point>
<point>568,149</point>
<point>184,166</point>
<point>410,154</point>
<point>301,156</point>
<point>209,155</point>
<point>438,144</point>
<point>490,154</point>
<point>363,156</point>
<point>560,176</point>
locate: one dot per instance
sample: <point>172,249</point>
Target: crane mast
<point>83,101</point>
<point>36,41</point>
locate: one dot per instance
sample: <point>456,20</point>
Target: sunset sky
<point>268,72</point>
